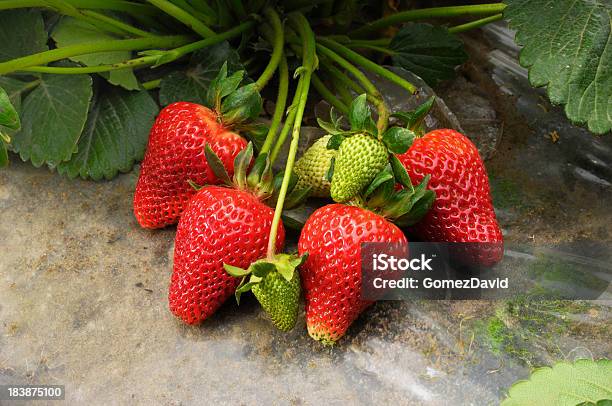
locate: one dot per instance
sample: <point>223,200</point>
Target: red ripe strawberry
<point>462,211</point>
<point>175,156</point>
<point>331,275</point>
<point>220,225</point>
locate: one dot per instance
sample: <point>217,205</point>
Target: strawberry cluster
<point>434,185</point>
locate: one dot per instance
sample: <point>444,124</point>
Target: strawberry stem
<point>383,111</point>
<point>89,48</point>
<point>367,64</point>
<point>475,24</point>
<point>427,13</point>
<point>341,78</point>
<point>184,17</point>
<point>74,50</point>
<point>291,113</point>
<point>281,103</point>
<point>278,39</point>
<point>328,95</point>
<point>151,84</point>
<point>96,19</point>
<point>305,71</point>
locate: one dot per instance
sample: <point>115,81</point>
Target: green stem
<point>79,70</point>
<point>163,57</point>
<point>344,93</point>
<point>327,95</point>
<point>381,42</point>
<point>206,18</point>
<point>376,48</point>
<point>367,64</point>
<point>340,77</point>
<point>99,20</point>
<point>116,23</point>
<point>57,54</point>
<point>281,103</point>
<point>132,8</point>
<point>306,71</point>
<point>184,17</point>
<point>383,111</point>
<point>151,84</point>
<point>239,9</point>
<point>475,24</point>
<point>278,39</point>
<point>234,32</point>
<point>291,113</point>
<point>204,8</point>
<point>426,13</point>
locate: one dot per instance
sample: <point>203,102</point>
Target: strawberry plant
<point>89,87</point>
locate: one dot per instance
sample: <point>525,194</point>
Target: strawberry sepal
<point>276,285</point>
<point>234,104</point>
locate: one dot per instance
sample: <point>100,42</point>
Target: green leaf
<point>8,115</point>
<point>428,51</point>
<point>382,177</point>
<point>360,116</point>
<point>330,172</point>
<point>567,47</point>
<point>216,165</point>
<point>414,119</point>
<point>115,135</point>
<point>242,105</point>
<point>14,88</point>
<point>70,31</point>
<point>602,402</point>
<point>335,141</point>
<point>398,139</point>
<point>401,175</point>
<point>262,268</point>
<point>53,117</point>
<point>22,32</point>
<point>235,271</point>
<point>192,84</point>
<point>4,159</point>
<point>565,384</point>
<point>418,209</point>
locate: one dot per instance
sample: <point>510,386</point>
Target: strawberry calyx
<point>233,104</point>
<point>255,176</point>
<point>414,120</point>
<point>396,139</point>
<point>285,264</point>
<point>251,176</point>
<point>275,282</point>
<point>404,207</point>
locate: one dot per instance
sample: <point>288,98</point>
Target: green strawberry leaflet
<point>235,105</point>
<point>414,119</point>
<point>398,139</point>
<point>360,116</point>
<point>259,180</point>
<point>8,115</point>
<point>403,207</point>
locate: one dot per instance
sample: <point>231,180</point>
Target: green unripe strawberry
<point>275,282</point>
<point>360,157</point>
<point>313,166</point>
<point>279,298</point>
